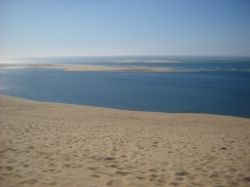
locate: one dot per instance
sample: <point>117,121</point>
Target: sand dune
<point>48,144</point>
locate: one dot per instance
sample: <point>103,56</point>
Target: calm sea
<point>222,86</point>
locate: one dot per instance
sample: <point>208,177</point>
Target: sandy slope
<point>47,144</point>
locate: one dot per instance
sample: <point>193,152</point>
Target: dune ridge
<point>51,144</point>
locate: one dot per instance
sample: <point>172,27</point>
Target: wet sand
<point>50,144</point>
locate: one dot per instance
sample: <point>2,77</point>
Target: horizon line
<point>127,55</point>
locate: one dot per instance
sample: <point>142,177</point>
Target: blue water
<point>216,92</point>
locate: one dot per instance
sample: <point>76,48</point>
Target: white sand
<point>49,144</point>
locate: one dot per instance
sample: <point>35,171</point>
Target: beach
<point>51,144</point>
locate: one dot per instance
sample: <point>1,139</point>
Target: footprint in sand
<point>9,168</point>
<point>247,179</point>
<point>95,175</point>
<point>123,173</point>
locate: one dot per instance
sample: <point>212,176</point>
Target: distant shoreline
<point>83,67</point>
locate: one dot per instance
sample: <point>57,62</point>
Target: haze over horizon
<point>32,28</point>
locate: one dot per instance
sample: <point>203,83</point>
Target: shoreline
<point>55,144</point>
<point>85,67</point>
<point>125,109</point>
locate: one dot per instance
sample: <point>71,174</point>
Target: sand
<point>49,144</point>
<point>82,67</point>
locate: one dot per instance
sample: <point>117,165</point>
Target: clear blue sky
<point>124,27</point>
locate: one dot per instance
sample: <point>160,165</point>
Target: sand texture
<point>48,144</point>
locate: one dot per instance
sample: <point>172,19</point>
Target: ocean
<point>214,85</point>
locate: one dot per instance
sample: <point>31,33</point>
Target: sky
<point>38,28</point>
